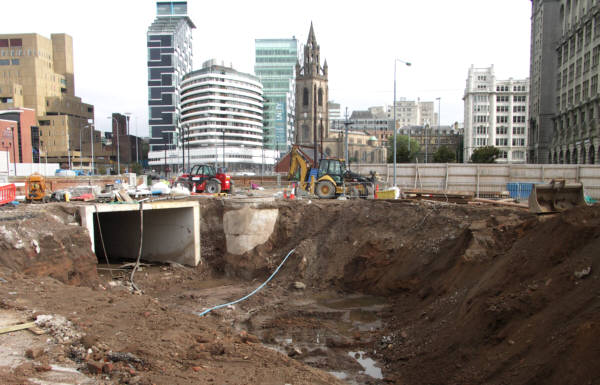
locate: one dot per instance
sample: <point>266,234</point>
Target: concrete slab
<point>171,230</point>
<point>247,228</point>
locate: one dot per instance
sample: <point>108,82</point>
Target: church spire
<point>312,40</point>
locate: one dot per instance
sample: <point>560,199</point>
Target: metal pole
<point>346,123</point>
<point>394,128</point>
<point>93,170</point>
<point>426,141</point>
<point>137,158</point>
<point>223,149</point>
<point>80,150</point>
<point>118,151</point>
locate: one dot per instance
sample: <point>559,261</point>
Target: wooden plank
<point>15,328</point>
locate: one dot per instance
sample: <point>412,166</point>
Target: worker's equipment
<point>203,178</point>
<point>330,180</point>
<point>556,196</point>
<point>35,189</point>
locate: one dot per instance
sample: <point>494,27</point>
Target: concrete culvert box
<point>171,231</point>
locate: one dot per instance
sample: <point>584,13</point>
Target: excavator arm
<point>299,167</point>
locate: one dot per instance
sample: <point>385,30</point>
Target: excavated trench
<point>375,292</point>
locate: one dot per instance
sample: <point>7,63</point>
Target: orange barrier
<point>7,193</point>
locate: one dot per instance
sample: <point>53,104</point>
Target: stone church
<point>312,130</point>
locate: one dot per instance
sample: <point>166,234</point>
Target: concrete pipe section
<point>171,230</point>
<point>247,225</point>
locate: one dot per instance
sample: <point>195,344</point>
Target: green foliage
<point>136,168</point>
<point>444,155</point>
<point>487,154</point>
<point>402,153</point>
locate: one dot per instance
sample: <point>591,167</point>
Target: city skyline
<point>111,71</point>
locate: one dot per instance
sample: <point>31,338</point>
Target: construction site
<point>269,283</point>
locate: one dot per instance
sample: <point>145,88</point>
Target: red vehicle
<point>203,178</point>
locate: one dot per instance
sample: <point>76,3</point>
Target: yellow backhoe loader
<point>331,180</point>
<point>555,196</point>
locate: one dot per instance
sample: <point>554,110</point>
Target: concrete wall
<point>482,179</point>
<point>171,231</point>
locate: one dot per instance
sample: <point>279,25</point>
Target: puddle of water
<point>368,364</point>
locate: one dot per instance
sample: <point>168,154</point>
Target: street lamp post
<point>128,115</point>
<point>408,64</point>
<point>118,149</point>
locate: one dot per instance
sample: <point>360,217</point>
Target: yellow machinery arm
<point>299,167</point>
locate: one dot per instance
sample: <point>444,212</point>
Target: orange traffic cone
<point>292,192</point>
<point>284,194</point>
<point>376,190</point>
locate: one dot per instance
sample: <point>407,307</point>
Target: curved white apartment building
<point>222,119</point>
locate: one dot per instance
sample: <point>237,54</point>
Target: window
<point>518,130</point>
<point>501,119</point>
<point>588,33</point>
<point>4,62</point>
<point>481,130</point>
<point>594,85</point>
<point>595,56</point>
<point>501,130</point>
<point>480,119</point>
<point>571,73</point>
<point>15,62</point>
<point>305,97</point>
<point>520,99</point>
<point>501,88</point>
<point>520,155</point>
<point>578,68</point>
<point>482,78</point>
<point>501,108</point>
<point>518,141</point>
<point>519,108</point>
<point>501,141</point>
<point>501,99</point>
<point>585,89</point>
<point>519,119</point>
<point>579,41</point>
<point>519,88</point>
<point>320,97</point>
<point>586,63</point>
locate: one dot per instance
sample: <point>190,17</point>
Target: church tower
<point>312,92</point>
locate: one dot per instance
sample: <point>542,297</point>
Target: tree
<point>444,155</point>
<point>487,154</point>
<point>402,154</point>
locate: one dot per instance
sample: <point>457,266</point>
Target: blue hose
<point>253,292</point>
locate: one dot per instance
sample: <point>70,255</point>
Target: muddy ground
<point>375,292</point>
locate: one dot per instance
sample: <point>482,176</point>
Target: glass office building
<point>169,58</point>
<point>275,63</point>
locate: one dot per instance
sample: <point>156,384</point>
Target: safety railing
<point>7,193</point>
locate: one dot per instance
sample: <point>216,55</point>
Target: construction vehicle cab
<point>204,178</point>
<point>331,179</point>
<point>35,189</point>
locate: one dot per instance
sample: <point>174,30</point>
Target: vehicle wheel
<point>325,189</point>
<point>213,187</point>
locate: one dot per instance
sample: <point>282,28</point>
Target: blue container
<point>520,190</point>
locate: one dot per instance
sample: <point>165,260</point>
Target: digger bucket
<point>556,196</point>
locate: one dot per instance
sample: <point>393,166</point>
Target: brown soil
<point>463,295</point>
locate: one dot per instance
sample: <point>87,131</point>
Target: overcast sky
<point>359,39</point>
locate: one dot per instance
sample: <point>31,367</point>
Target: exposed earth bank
<point>472,294</point>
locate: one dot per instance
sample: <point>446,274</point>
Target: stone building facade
<point>575,139</point>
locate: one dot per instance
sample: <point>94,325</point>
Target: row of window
<point>519,88</point>
<point>581,92</point>
<point>6,62</point>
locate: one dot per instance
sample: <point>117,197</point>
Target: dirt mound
<point>46,240</point>
<point>482,294</point>
<point>526,314</point>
